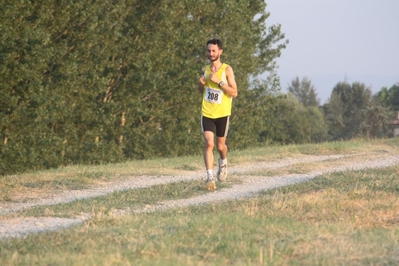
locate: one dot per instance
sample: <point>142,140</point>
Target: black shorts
<point>220,124</point>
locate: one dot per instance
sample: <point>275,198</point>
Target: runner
<point>218,87</point>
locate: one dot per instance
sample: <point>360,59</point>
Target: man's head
<point>215,42</point>
<point>214,49</point>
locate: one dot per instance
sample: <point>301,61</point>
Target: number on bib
<point>213,96</point>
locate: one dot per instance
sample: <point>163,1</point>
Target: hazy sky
<point>338,40</point>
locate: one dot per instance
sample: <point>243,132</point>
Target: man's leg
<point>222,147</point>
<point>208,159</point>
<point>222,128</point>
<point>208,149</point>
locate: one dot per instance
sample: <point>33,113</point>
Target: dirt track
<point>21,226</point>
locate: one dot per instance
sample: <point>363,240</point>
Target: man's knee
<point>209,145</point>
<point>222,147</point>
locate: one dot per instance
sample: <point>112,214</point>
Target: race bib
<point>213,96</point>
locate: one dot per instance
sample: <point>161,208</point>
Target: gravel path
<point>20,227</point>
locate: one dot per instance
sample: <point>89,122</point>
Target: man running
<point>218,87</point>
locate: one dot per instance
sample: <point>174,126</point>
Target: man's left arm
<point>231,87</point>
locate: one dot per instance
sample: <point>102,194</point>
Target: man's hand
<point>202,80</point>
<point>214,78</point>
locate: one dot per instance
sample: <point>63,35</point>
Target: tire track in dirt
<point>20,227</point>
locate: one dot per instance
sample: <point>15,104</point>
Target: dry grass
<point>341,218</point>
<point>359,210</point>
<point>46,183</point>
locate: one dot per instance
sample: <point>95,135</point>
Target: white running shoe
<point>222,172</point>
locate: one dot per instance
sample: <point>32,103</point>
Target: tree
<point>389,98</point>
<point>334,115</point>
<point>251,116</point>
<point>304,91</point>
<point>304,124</point>
<point>352,112</point>
<point>97,82</point>
<point>375,120</point>
<point>289,121</point>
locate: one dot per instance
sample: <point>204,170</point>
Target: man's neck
<point>215,65</point>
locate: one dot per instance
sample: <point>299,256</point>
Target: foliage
<point>292,122</point>
<point>390,97</point>
<point>98,82</point>
<point>251,115</point>
<point>352,112</point>
<point>304,91</point>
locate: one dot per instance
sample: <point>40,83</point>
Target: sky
<point>332,41</point>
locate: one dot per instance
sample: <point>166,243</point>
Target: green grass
<point>340,218</point>
<point>83,176</point>
<point>126,199</point>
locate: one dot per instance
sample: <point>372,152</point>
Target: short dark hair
<point>215,41</point>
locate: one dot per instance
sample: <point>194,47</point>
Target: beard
<point>214,58</point>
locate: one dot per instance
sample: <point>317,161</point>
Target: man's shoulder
<point>228,67</point>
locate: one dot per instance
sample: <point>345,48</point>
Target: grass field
<point>339,218</point>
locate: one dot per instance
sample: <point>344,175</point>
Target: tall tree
<point>95,82</point>
<point>297,123</point>
<point>304,91</point>
<point>390,97</point>
<point>352,112</point>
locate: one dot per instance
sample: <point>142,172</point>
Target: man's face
<point>214,52</point>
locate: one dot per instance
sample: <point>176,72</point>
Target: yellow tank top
<point>216,103</point>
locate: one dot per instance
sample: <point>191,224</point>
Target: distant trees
<point>352,112</point>
<point>389,98</point>
<point>304,91</point>
<point>296,123</point>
